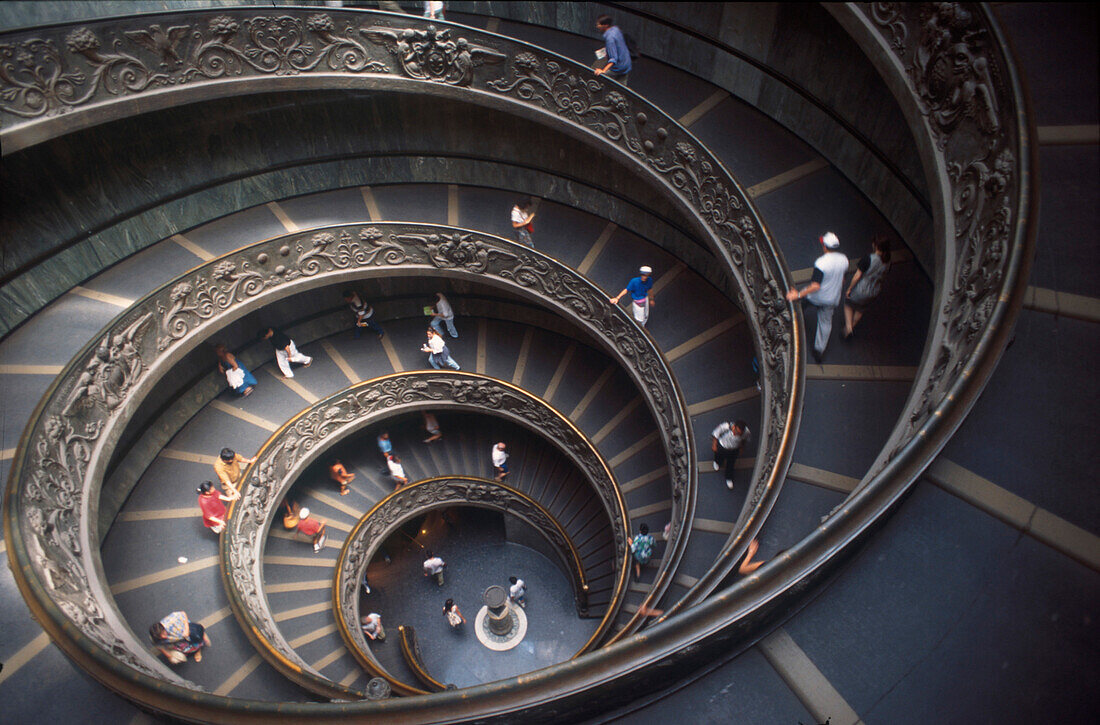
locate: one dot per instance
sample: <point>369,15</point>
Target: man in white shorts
<point>641,300</point>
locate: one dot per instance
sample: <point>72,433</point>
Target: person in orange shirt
<point>228,468</point>
<point>338,473</point>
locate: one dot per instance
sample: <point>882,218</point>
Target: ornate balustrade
<point>303,439</point>
<point>949,67</point>
<point>441,492</point>
<point>60,79</point>
<point>52,502</point>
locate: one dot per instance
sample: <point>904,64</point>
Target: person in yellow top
<point>228,468</point>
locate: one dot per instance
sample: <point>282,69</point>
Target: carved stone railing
<point>52,500</point>
<point>304,438</point>
<point>389,514</point>
<point>948,67</point>
<point>60,79</point>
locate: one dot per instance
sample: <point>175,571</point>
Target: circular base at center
<point>500,643</point>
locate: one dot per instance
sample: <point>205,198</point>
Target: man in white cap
<point>639,288</point>
<point>825,290</point>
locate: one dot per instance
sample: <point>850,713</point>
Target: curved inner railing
<point>304,438</point>
<point>51,506</point>
<point>410,652</point>
<point>389,514</point>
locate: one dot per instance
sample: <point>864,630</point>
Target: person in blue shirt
<point>638,288</point>
<point>385,447</point>
<point>616,64</point>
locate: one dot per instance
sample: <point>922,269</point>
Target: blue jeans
<point>369,322</point>
<point>447,360</point>
<point>437,325</point>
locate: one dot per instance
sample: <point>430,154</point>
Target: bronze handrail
<point>410,650</point>
<point>305,437</point>
<point>391,512</point>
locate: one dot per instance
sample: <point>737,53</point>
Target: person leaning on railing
<point>616,53</point>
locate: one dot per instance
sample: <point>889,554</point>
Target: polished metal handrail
<point>415,499</point>
<point>304,438</point>
<point>410,650</point>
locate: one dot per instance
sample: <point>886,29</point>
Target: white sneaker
<point>729,483</point>
<point>716,465</point>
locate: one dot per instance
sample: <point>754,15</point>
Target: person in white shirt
<point>444,313</point>
<point>397,471</point>
<point>433,9</point>
<point>500,461</point>
<point>518,591</point>
<point>824,291</point>
<point>726,441</point>
<point>431,427</point>
<point>372,626</point>
<point>439,355</point>
<point>433,566</point>
<point>522,217</point>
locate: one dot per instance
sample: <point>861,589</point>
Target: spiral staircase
<point>920,565</point>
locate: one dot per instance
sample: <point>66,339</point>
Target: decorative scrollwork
<point>192,48</point>
<point>202,298</point>
<point>296,445</point>
<point>42,74</point>
<point>956,79</point>
<point>431,54</point>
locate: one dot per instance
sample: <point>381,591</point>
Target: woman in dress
<point>237,375</point>
<point>866,283</point>
<point>212,505</point>
<point>176,636</point>
<point>452,613</point>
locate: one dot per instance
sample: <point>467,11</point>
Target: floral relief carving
<point>956,77</point>
<point>42,75</point>
<point>238,43</point>
<point>37,78</point>
<point>201,298</point>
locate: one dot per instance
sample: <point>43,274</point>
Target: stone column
<point>500,613</point>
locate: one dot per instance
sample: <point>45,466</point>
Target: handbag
<point>235,376</point>
<point>290,518</point>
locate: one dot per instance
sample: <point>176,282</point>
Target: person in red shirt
<point>313,528</point>
<point>212,505</point>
